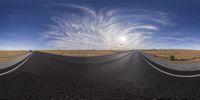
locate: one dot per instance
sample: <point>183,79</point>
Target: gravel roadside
<point>7,64</point>
<point>174,64</point>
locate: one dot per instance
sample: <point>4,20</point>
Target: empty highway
<point>117,77</point>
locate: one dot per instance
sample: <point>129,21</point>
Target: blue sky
<point>99,24</point>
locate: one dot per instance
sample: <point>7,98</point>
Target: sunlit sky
<point>99,24</point>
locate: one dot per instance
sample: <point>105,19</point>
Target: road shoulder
<point>4,65</point>
<point>172,64</point>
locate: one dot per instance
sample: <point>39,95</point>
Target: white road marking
<point>170,74</point>
<point>1,74</point>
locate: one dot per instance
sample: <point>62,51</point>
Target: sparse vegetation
<point>179,54</point>
<point>84,53</point>
<point>172,57</point>
<point>10,55</point>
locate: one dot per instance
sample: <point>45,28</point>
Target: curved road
<point>128,77</point>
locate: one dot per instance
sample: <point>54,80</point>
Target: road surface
<point>129,77</point>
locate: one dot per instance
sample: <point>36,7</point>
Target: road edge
<point>99,61</point>
<point>166,71</point>
<point>16,66</point>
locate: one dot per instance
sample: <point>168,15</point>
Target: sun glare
<point>122,39</point>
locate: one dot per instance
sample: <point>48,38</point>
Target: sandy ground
<point>12,62</point>
<point>175,65</point>
<point>10,55</point>
<point>83,53</point>
<point>181,56</point>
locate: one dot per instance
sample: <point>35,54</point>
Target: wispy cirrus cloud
<point>178,41</point>
<point>86,28</point>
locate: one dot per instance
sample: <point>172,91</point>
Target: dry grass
<point>84,53</point>
<point>180,55</point>
<point>10,55</point>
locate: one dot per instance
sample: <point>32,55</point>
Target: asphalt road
<point>127,77</point>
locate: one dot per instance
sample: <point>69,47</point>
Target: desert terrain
<point>10,55</point>
<point>82,53</point>
<point>179,54</point>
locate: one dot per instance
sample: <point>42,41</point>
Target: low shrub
<point>172,57</point>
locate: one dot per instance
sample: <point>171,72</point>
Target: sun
<point>122,39</point>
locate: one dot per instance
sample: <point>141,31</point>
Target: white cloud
<point>101,29</point>
<point>177,41</point>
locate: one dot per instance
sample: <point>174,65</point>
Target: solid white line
<point>16,67</point>
<point>170,74</point>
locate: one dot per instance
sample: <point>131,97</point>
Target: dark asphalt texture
<point>129,77</point>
